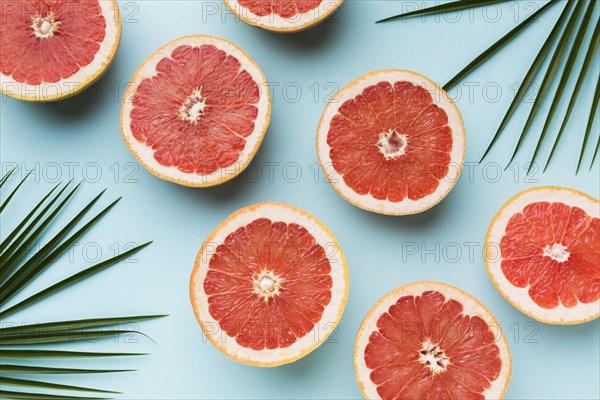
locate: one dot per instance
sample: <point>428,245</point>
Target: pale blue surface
<point>564,363</point>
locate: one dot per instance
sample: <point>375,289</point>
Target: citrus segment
<point>274,282</point>
<point>51,50</point>
<point>282,8</point>
<point>391,142</point>
<point>544,254</point>
<point>196,111</point>
<point>283,15</point>
<point>429,340</point>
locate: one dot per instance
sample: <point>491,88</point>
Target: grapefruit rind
<point>471,306</point>
<point>86,76</point>
<point>145,155</point>
<point>519,297</point>
<point>275,23</point>
<point>331,315</point>
<point>368,202</point>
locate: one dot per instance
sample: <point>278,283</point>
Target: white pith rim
<point>145,154</point>
<point>519,297</point>
<point>331,315</point>
<point>76,83</point>
<point>368,202</point>
<point>470,307</point>
<point>276,23</point>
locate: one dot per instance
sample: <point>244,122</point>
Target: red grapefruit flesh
<point>283,15</point>
<point>269,285</point>
<point>196,111</point>
<point>543,254</point>
<point>429,340</point>
<point>392,142</point>
<point>54,49</point>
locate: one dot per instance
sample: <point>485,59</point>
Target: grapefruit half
<point>283,15</point>
<point>429,340</point>
<point>543,254</point>
<point>54,49</point>
<point>196,111</point>
<point>269,285</point>
<point>392,142</point>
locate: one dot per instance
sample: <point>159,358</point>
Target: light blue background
<point>556,362</point>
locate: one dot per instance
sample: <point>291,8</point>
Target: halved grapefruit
<point>196,111</point>
<point>392,142</point>
<point>54,49</point>
<point>269,285</point>
<point>543,254</point>
<point>429,340</point>
<point>283,15</point>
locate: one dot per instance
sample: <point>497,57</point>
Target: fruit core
<point>433,357</point>
<point>557,252</point>
<point>392,144</point>
<point>267,285</point>
<point>193,107</point>
<point>44,27</point>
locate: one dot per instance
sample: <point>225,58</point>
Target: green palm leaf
<point>22,224</point>
<point>16,252</point>
<point>591,122</point>
<point>70,281</point>
<point>73,325</point>
<point>446,7</point>
<point>566,74</point>
<point>18,270</point>
<point>6,176</point>
<point>580,80</point>
<point>12,194</point>
<point>530,76</point>
<point>493,49</point>
<point>5,394</point>
<point>29,354</point>
<point>28,369</point>
<point>50,252</point>
<point>549,76</point>
<point>588,130</point>
<point>47,385</point>
<point>92,335</point>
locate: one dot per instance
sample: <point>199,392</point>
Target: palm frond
<point>8,240</point>
<point>530,76</point>
<point>18,270</point>
<point>15,253</point>
<point>37,354</point>
<point>6,394</point>
<point>591,122</point>
<point>91,335</point>
<point>48,385</point>
<point>562,84</point>
<point>50,252</point>
<point>553,67</point>
<point>29,369</point>
<point>593,47</point>
<point>446,7</point>
<point>493,49</point>
<point>6,176</point>
<point>70,281</point>
<point>74,324</point>
<point>15,190</point>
